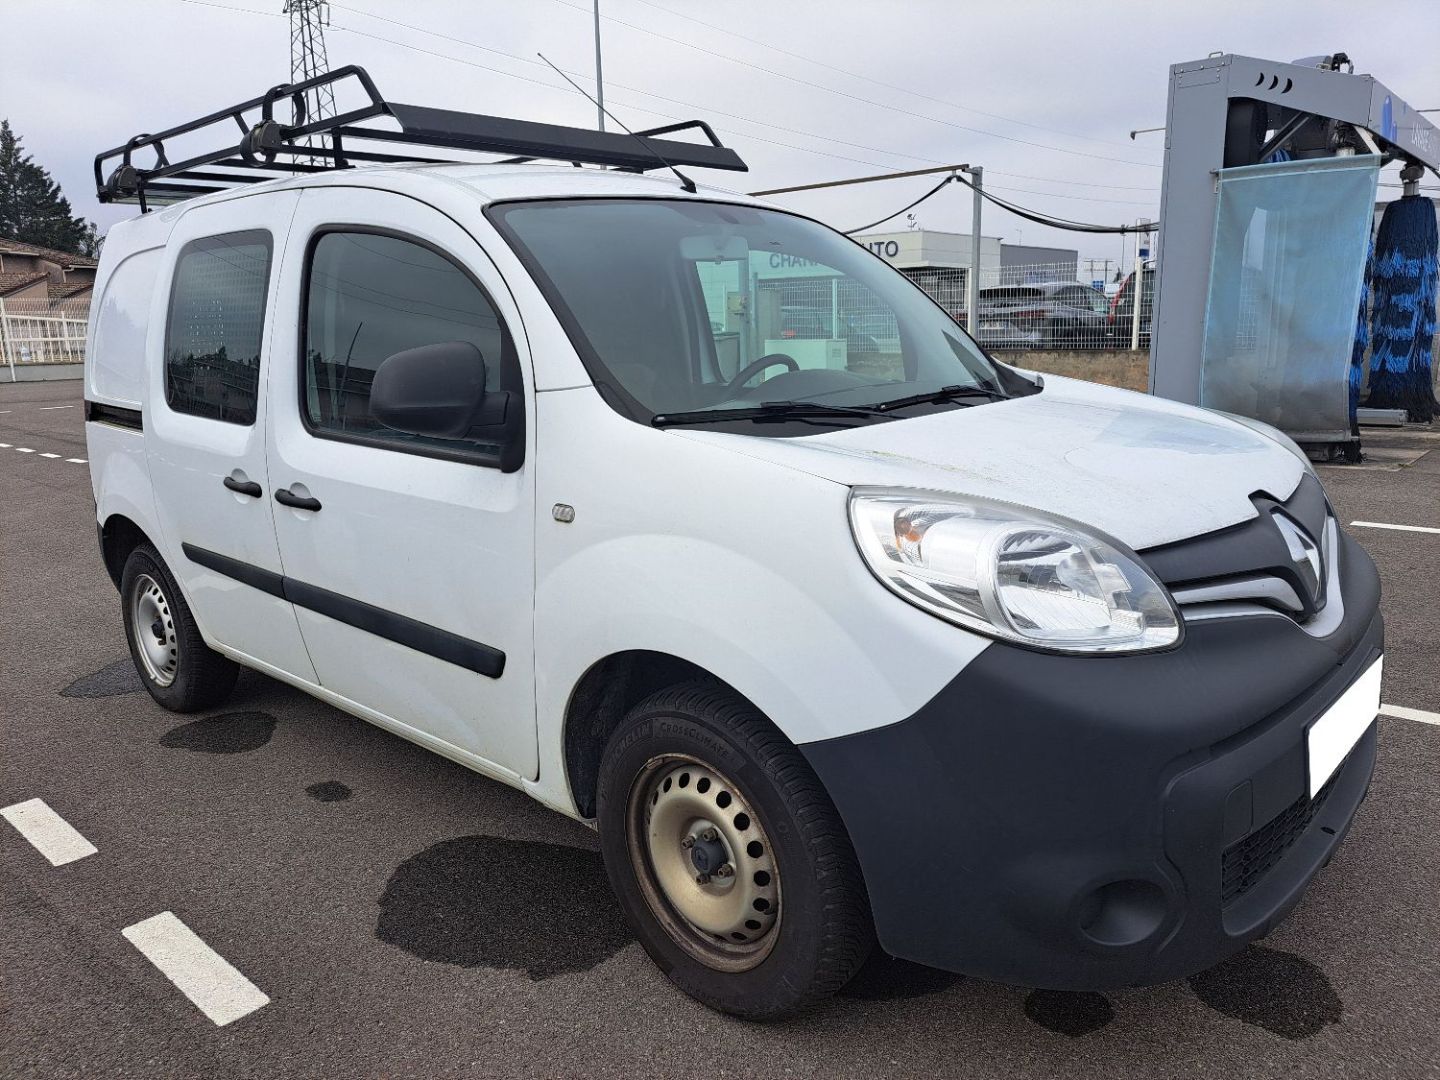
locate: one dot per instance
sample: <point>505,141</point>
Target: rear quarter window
<point>216,324</point>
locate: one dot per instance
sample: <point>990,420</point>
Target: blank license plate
<point>1331,738</point>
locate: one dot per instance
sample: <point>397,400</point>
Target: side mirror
<point>438,391</point>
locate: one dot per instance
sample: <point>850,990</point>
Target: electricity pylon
<point>308,19</point>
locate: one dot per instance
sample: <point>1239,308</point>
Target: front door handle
<point>286,497</point>
<point>243,487</point>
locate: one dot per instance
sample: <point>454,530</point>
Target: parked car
<point>1026,678</point>
<point>1048,315</point>
<point>1121,320</point>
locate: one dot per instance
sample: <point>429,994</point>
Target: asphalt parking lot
<point>405,917</point>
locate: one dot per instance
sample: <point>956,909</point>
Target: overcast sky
<point>1042,93</point>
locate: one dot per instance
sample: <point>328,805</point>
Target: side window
<point>369,296</point>
<point>214,330</point>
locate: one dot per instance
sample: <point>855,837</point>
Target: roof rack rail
<point>270,148</point>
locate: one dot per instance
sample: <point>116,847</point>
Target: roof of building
<point>65,290</point>
<point>64,258</point>
<point>15,280</point>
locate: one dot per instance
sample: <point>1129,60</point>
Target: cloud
<point>1041,93</point>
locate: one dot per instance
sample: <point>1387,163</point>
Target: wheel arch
<point>119,536</point>
<point>609,689</point>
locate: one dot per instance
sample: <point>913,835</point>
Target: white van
<point>887,642</point>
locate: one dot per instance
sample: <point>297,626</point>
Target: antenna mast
<point>308,19</point>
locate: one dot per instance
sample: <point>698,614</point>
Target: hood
<point>1145,470</point>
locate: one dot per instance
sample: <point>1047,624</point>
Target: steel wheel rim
<point>153,625</point>
<point>727,921</point>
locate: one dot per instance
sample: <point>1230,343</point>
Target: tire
<point>696,763</point>
<point>181,672</point>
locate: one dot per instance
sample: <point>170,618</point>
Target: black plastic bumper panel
<point>1064,822</point>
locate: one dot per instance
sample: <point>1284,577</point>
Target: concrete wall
<point>41,372</point>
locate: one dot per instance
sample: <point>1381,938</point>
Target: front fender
<point>742,567</point>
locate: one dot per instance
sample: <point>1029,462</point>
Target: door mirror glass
<point>438,391</point>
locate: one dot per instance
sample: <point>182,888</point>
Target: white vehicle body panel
<point>1145,470</point>
<point>744,570</point>
<point>447,543</point>
<point>733,553</point>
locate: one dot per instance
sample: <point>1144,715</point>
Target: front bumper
<point>1084,823</point>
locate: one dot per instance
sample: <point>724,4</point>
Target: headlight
<point>1012,573</point>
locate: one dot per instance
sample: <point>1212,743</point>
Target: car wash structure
<point>1266,217</point>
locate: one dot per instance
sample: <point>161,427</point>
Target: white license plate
<point>1331,738</point>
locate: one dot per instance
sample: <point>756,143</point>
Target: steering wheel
<point>756,366</point>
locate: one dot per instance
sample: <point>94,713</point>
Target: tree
<point>32,208</point>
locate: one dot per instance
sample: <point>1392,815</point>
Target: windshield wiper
<point>768,410</point>
<point>944,394</point>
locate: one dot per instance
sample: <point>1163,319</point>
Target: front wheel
<point>728,856</point>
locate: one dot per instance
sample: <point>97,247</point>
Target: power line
<point>1019,211</point>
<point>856,97</point>
<point>712,111</point>
<point>654,112</point>
<point>672,116</point>
<point>709,110</point>
<point>879,82</point>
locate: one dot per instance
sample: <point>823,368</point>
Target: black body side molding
<point>413,634</point>
<point>114,414</point>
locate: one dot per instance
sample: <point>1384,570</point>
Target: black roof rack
<point>269,148</point>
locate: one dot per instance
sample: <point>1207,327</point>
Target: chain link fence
<point>1042,307</point>
<point>43,331</point>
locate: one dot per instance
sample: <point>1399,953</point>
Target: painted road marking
<point>49,408</point>
<point>24,449</point>
<point>1397,528</point>
<point>50,455</point>
<point>76,460</point>
<point>47,831</point>
<point>198,971</point>
<point>1402,713</point>
<point>6,445</point>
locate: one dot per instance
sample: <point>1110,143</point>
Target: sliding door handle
<point>243,487</point>
<point>286,497</point>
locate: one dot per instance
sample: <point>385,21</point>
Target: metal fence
<point>1043,307</point>
<point>43,331</point>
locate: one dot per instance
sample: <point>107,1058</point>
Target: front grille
<point>1248,860</point>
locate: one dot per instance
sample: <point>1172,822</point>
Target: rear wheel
<point>728,856</point>
<point>181,672</point>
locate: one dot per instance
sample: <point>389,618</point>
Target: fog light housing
<point>1123,913</point>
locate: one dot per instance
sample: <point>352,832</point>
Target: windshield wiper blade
<point>944,394</point>
<point>768,410</point>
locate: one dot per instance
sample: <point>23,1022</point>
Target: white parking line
<point>1402,713</point>
<point>49,408</point>
<point>198,971</point>
<point>1397,528</point>
<point>47,831</point>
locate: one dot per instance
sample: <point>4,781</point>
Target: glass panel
<point>372,296</point>
<point>217,317</point>
<point>1285,280</point>
<point>668,300</point>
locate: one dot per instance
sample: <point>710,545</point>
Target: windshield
<point>680,306</point>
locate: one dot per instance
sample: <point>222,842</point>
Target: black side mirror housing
<point>438,391</point>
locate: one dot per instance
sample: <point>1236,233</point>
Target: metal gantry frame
<point>1227,111</point>
<point>271,147</point>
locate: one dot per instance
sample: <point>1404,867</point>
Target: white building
<point>939,261</point>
